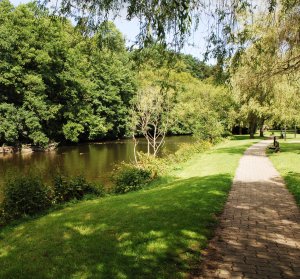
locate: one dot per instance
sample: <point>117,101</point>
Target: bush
<point>186,151</point>
<point>28,195</point>
<point>130,178</point>
<point>66,189</point>
<point>155,165</point>
<point>24,195</point>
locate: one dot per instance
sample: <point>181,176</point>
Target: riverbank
<point>153,233</point>
<point>94,161</point>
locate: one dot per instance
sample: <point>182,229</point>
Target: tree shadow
<point>156,233</point>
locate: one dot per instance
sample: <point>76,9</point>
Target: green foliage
<point>60,85</point>
<point>129,178</point>
<point>72,131</point>
<point>24,195</point>
<point>162,166</point>
<point>208,127</point>
<point>186,151</point>
<point>155,165</point>
<point>109,37</point>
<point>197,68</point>
<point>9,120</point>
<point>66,189</point>
<point>28,195</point>
<point>202,109</point>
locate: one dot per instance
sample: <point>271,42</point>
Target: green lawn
<point>290,134</point>
<point>154,233</point>
<point>287,162</point>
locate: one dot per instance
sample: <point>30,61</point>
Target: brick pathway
<point>259,232</point>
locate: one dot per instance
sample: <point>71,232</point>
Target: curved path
<point>259,232</point>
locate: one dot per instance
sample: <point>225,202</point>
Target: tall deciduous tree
<point>59,84</point>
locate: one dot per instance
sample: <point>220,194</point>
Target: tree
<point>152,105</point>
<point>255,79</point>
<point>59,84</point>
<point>287,101</point>
<point>171,22</point>
<point>202,108</point>
<point>151,117</point>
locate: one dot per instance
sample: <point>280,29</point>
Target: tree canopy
<point>65,85</point>
<point>58,84</point>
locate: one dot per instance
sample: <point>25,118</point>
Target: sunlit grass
<point>153,233</point>
<point>290,134</point>
<point>287,162</point>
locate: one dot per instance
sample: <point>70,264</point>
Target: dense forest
<point>57,84</point>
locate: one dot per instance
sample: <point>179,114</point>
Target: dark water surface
<point>95,161</point>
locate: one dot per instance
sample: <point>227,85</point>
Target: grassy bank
<point>154,233</point>
<point>287,162</point>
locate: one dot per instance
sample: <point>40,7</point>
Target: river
<point>95,161</point>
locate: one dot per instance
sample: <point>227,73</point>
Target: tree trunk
<point>261,132</point>
<point>134,149</point>
<point>252,125</point>
<point>285,132</point>
<point>252,129</point>
<point>295,131</point>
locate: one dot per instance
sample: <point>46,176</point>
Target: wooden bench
<point>276,146</point>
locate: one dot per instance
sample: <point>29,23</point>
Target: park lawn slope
<point>154,233</point>
<point>287,162</point>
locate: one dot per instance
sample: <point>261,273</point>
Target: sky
<point>195,44</point>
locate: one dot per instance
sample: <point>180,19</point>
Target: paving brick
<point>260,225</point>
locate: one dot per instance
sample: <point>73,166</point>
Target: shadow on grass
<point>156,233</point>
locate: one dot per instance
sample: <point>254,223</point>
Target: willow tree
<point>254,99</point>
<point>171,22</point>
<point>287,101</point>
<point>163,21</point>
<point>271,52</point>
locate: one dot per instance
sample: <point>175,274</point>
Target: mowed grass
<point>287,162</point>
<point>153,233</point>
<point>290,134</point>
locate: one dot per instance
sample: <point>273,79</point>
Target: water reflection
<point>95,160</point>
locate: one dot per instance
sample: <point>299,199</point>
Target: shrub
<point>186,151</point>
<point>24,195</point>
<point>130,178</point>
<point>66,189</point>
<point>155,165</point>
